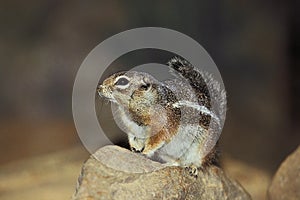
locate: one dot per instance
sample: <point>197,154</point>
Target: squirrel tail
<point>201,82</point>
<point>187,71</point>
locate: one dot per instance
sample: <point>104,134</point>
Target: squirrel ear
<point>145,80</point>
<point>145,86</point>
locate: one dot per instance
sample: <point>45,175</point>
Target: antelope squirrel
<point>170,121</point>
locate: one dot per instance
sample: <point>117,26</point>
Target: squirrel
<point>171,121</point>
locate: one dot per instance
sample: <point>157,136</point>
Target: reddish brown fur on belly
<point>166,133</point>
<point>140,116</point>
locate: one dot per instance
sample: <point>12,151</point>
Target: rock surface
<point>286,182</point>
<point>44,177</point>
<point>116,173</point>
<point>255,180</point>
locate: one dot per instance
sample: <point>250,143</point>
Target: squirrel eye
<point>145,87</point>
<point>122,81</point>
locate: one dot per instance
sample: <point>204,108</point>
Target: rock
<point>43,177</point>
<point>121,174</point>
<point>286,182</point>
<point>254,179</point>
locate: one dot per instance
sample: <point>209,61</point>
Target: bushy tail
<point>208,89</point>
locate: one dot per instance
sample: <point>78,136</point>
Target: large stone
<point>254,179</point>
<point>116,173</point>
<point>286,182</point>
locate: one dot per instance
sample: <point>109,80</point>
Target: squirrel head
<point>127,88</point>
<point>138,95</point>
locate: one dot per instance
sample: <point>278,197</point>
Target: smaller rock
<point>286,182</point>
<point>116,173</point>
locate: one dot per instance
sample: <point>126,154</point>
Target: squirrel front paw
<point>136,150</point>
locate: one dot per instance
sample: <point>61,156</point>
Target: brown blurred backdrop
<point>255,44</point>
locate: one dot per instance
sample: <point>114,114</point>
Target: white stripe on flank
<point>202,109</point>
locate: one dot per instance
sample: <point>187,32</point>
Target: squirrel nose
<point>100,90</point>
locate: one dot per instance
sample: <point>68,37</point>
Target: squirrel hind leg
<point>192,170</point>
<point>212,158</point>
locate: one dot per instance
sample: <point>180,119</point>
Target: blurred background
<point>255,45</point>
